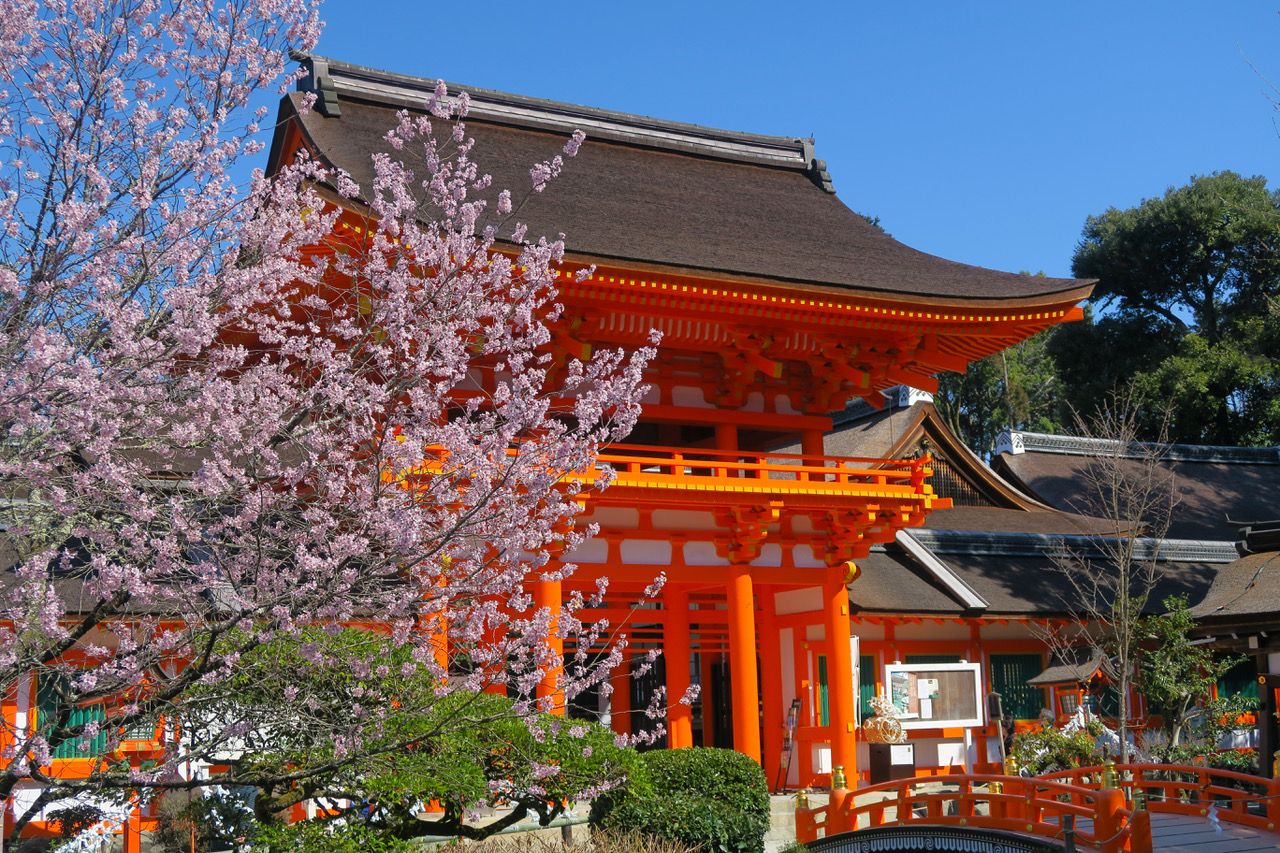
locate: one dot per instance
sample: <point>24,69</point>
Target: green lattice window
<point>932,659</point>
<point>1009,676</point>
<point>866,684</point>
<point>48,697</point>
<point>823,693</point>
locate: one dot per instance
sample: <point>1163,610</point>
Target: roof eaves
<point>953,583</point>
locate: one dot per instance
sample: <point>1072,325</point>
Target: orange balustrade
<point>1030,806</point>
<point>1192,790</point>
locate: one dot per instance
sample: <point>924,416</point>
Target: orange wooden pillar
<point>742,664</point>
<point>706,695</point>
<point>546,593</point>
<point>676,652</point>
<point>620,699</point>
<point>771,690</point>
<point>133,831</point>
<point>844,743</point>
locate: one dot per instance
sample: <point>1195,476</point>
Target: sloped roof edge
<point>1043,544</point>
<point>1016,442</point>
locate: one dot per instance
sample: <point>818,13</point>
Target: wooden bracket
<point>746,529</point>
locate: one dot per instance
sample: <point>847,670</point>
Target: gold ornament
<point>884,727</point>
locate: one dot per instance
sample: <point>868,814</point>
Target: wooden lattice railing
<point>635,463</point>
<point>1220,795</point>
<point>1043,808</point>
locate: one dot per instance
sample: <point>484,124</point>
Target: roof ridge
<point>328,77</point>
<point>1011,543</point>
<point>1014,442</point>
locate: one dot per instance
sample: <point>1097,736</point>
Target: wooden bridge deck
<point>1183,834</point>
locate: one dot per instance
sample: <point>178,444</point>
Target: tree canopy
<point>1185,308</point>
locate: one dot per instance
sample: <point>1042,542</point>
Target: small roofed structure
<point>1068,678</point>
<point>1240,614</point>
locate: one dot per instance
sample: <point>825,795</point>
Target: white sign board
<point>936,695</point>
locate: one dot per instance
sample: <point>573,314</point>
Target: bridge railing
<point>1032,806</point>
<point>1189,789</point>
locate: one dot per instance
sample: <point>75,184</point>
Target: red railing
<point>1040,807</point>
<point>1188,789</point>
<point>636,463</point>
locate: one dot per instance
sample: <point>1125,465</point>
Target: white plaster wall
<point>676,519</point>
<point>770,555</point>
<point>801,524</point>
<point>782,405</point>
<point>930,630</point>
<point>867,631</point>
<point>685,395</point>
<point>652,551</point>
<point>703,554</point>
<point>803,556</point>
<point>615,517</point>
<point>795,600</point>
<point>755,402</point>
<point>591,551</point>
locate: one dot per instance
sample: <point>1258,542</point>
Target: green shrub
<point>1050,750</point>
<point>714,799</point>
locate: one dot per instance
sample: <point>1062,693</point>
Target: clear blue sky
<point>981,131</point>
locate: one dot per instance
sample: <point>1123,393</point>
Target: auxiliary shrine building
<point>778,305</point>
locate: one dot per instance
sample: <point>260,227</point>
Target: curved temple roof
<point>651,192</point>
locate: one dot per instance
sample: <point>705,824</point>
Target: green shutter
<point>932,659</point>
<point>823,715</point>
<point>1009,676</point>
<point>1241,679</point>
<point>866,684</point>
<point>47,706</point>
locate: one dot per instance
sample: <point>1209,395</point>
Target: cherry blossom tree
<point>237,415</point>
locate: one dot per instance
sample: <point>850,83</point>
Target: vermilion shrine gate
<point>777,305</point>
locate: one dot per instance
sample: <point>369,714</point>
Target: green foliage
<point>715,799</point>
<point>73,820</point>
<point>978,403</point>
<point>1051,749</point>
<point>1176,676</point>
<point>212,821</point>
<point>1187,284</point>
<point>327,836</point>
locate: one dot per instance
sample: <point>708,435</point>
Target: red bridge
<point>1127,807</point>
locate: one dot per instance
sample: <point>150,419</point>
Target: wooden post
<point>620,701</point>
<point>771,689</point>
<point>547,593</point>
<point>812,444</point>
<point>676,651</point>
<point>844,743</point>
<point>133,831</point>
<point>707,695</point>
<point>742,664</point>
<point>1107,820</point>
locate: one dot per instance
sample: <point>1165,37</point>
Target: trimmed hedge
<point>713,799</point>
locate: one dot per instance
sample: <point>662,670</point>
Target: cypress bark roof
<point>1214,484</point>
<point>644,191</point>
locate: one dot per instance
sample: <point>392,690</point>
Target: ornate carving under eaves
<point>849,534</point>
<point>746,528</point>
<point>746,354</point>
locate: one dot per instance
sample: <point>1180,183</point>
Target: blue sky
<point>983,132</point>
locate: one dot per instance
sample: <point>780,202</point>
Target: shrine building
<point>778,305</point>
